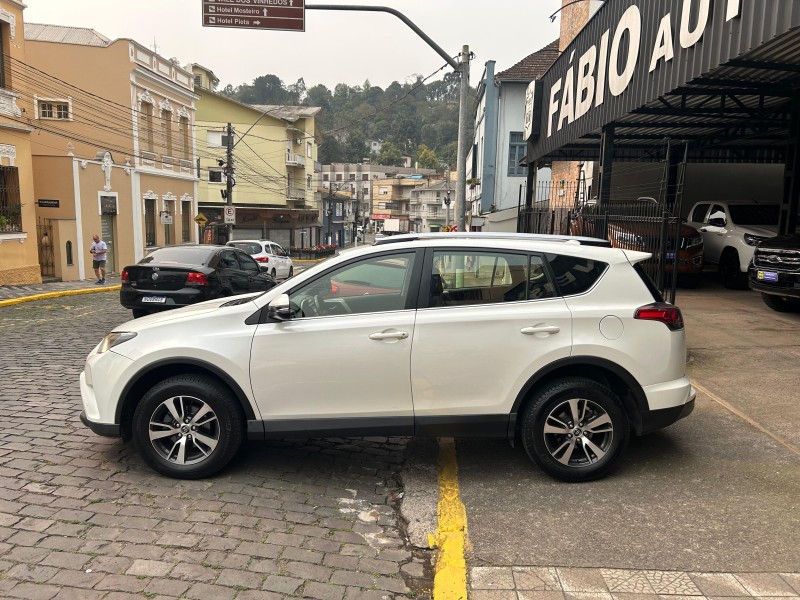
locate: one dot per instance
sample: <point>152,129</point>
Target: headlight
<point>752,240</point>
<point>113,339</point>
<point>694,241</point>
<point>629,239</point>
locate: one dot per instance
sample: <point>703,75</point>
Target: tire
<point>690,282</point>
<point>139,312</point>
<point>291,272</point>
<point>220,426</point>
<point>552,443</point>
<point>781,303</point>
<point>273,273</point>
<point>732,277</point>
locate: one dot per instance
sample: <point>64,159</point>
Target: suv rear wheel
<point>188,427</point>
<point>575,429</point>
<point>730,273</point>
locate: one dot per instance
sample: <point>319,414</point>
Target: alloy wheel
<point>184,430</point>
<point>578,432</point>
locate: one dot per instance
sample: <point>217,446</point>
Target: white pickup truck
<point>731,230</point>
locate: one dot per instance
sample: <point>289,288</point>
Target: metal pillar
<point>461,183</point>
<point>606,164</point>
<point>791,186</point>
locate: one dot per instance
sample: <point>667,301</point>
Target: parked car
<point>731,231</point>
<point>775,272</point>
<point>636,225</point>
<point>269,254</point>
<point>176,276</point>
<point>561,344</point>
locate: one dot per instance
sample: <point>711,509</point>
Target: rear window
<point>648,282</point>
<point>190,255</point>
<point>575,275</point>
<point>249,247</point>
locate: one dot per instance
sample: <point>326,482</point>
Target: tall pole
<point>461,183</point>
<point>229,177</point>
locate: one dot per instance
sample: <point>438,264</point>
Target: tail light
<point>196,279</point>
<point>667,314</point>
<point>262,259</point>
<point>124,276</point>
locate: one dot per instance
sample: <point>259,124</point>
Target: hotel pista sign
<point>276,15</point>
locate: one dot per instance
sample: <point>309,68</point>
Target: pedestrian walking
<point>99,251</point>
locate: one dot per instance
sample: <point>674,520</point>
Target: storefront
<point>287,227</point>
<point>674,81</point>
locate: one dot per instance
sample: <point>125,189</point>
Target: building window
<point>308,182</point>
<point>309,149</point>
<point>186,221</point>
<point>365,177</point>
<point>217,139</point>
<point>325,177</point>
<point>516,152</point>
<point>54,109</point>
<point>146,127</point>
<point>215,175</point>
<point>198,81</point>
<point>338,177</point>
<point>187,145</point>
<point>150,221</point>
<point>3,28</point>
<point>352,176</point>
<point>168,132</point>
<point>10,204</point>
<point>365,192</point>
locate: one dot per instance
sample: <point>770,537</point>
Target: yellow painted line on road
<point>450,579</point>
<point>747,419</point>
<point>48,295</point>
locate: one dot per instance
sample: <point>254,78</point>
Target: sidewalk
<point>51,289</point>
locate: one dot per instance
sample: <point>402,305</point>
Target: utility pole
<point>447,199</point>
<point>461,184</point>
<point>229,176</point>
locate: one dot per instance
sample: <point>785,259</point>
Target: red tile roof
<point>533,66</point>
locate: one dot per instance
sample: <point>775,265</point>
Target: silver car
<point>270,256</point>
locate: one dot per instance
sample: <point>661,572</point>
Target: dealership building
<point>679,100</point>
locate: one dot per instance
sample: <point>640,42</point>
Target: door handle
<point>389,335</point>
<point>551,329</point>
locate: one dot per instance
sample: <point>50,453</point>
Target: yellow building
<point>274,161</point>
<point>19,262</point>
<point>113,152</point>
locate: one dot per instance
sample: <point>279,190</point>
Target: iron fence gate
<point>44,235</point>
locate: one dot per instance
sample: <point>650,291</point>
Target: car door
<point>230,273</point>
<point>342,364</point>
<point>257,281</point>
<point>714,231</point>
<point>279,256</point>
<point>488,321</point>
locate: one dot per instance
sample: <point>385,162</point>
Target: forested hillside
<point>416,118</point>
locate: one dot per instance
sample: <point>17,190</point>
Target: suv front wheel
<point>188,427</point>
<point>575,429</point>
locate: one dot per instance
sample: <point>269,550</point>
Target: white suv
<point>563,344</point>
<point>731,231</point>
<point>270,256</point>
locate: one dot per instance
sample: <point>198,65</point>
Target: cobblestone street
<point>82,517</point>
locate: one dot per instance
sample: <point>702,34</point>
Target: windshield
<point>754,214</point>
<point>190,255</point>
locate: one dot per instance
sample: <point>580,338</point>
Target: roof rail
<point>481,235</point>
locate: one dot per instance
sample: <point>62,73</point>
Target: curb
<point>48,295</point>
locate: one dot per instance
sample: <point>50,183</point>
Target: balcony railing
<point>297,193</point>
<point>295,160</point>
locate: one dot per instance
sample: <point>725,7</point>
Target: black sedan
<point>176,276</point>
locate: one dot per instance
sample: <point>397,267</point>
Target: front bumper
<point>787,284</point>
<point>104,429</point>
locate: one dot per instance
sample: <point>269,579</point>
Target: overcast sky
<point>337,47</point>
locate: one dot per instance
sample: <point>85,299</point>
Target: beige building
<point>19,262</point>
<point>274,161</point>
<point>113,152</point>
<point>392,199</point>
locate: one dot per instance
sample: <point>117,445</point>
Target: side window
<point>699,213</point>
<point>280,251</point>
<point>247,262</point>
<point>275,250</point>
<point>376,284</point>
<point>717,213</point>
<point>575,275</point>
<point>227,260</point>
<point>464,278</point>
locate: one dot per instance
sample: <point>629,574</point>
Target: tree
<point>426,158</point>
<point>390,155</point>
<point>355,147</point>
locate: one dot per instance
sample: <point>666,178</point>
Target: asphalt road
<point>82,517</point>
<point>718,491</point>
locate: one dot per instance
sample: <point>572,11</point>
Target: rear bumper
<point>668,402</point>
<point>653,420</point>
<point>132,298</point>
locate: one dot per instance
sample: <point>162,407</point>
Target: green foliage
<point>405,117</point>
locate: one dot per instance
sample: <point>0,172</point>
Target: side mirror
<point>280,309</point>
<point>717,222</point>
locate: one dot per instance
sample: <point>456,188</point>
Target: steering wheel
<point>311,306</point>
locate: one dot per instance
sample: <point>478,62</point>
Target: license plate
<point>153,300</point>
<point>767,276</point>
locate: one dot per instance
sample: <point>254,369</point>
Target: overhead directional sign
<point>277,15</point>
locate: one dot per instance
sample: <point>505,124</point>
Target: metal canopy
<point>738,112</point>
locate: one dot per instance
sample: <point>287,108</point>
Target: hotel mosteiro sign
<point>276,15</point>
